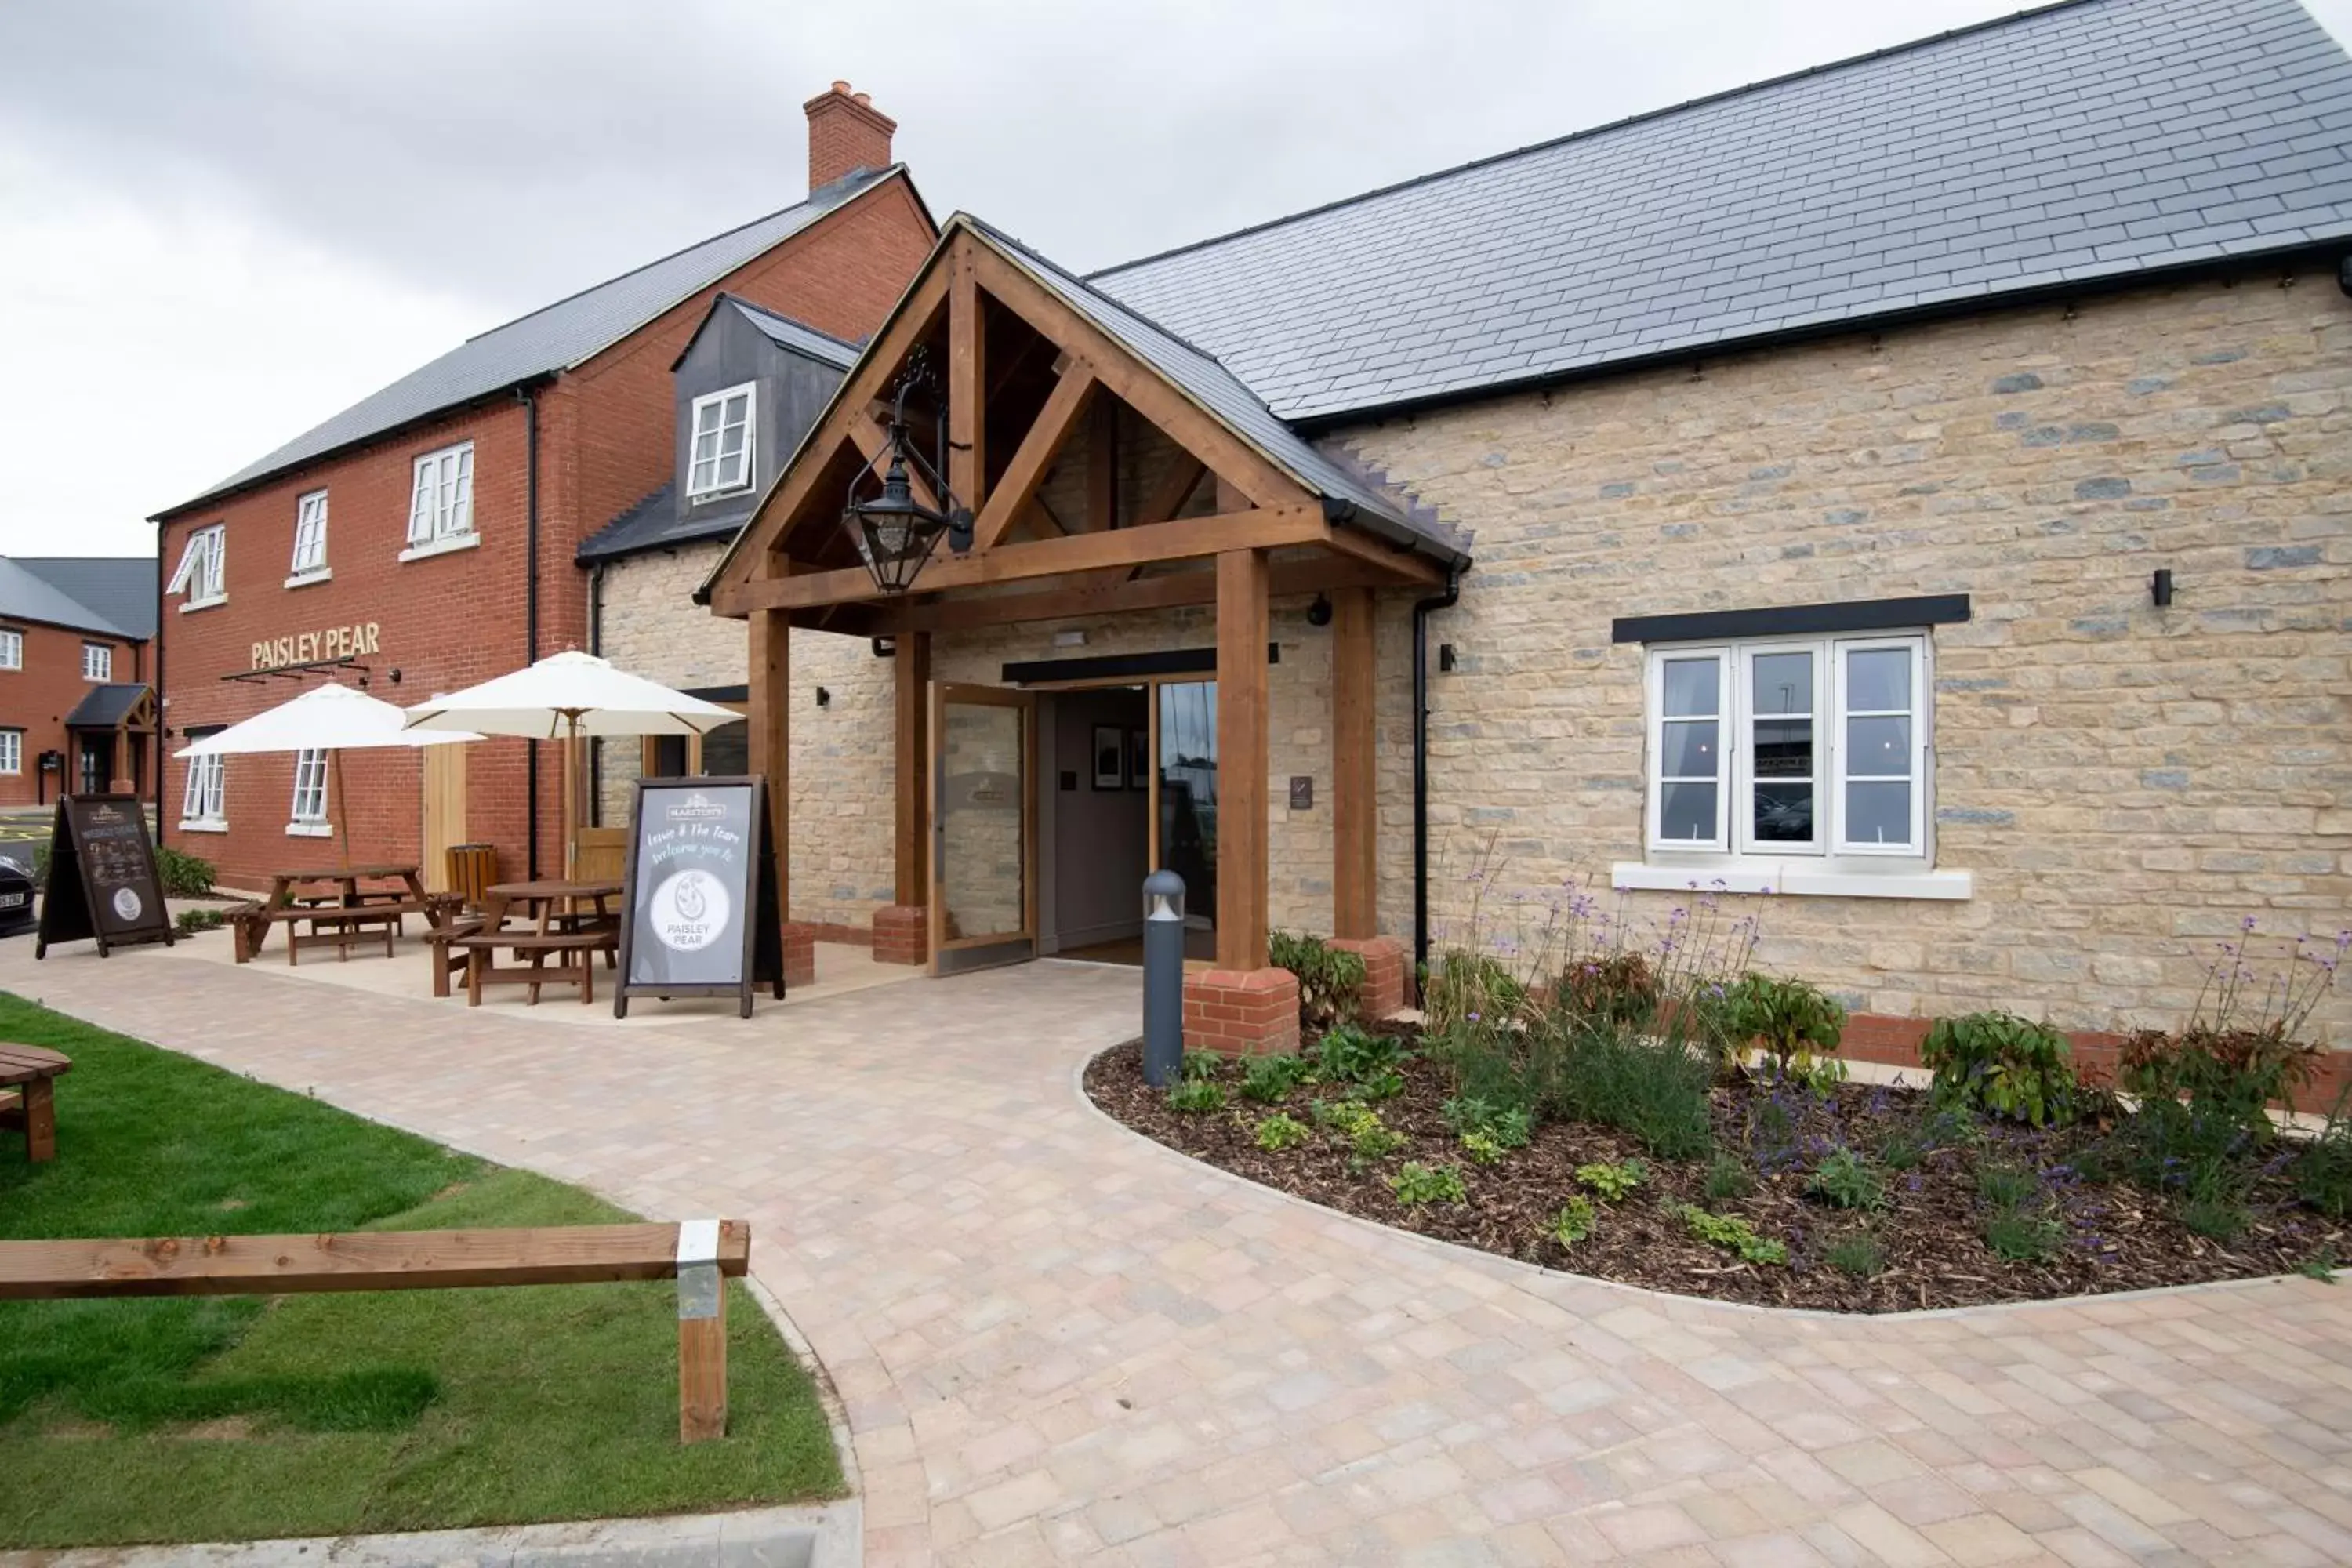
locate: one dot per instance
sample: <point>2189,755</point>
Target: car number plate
<point>12,901</point>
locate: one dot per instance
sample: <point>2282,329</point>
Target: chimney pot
<point>845,133</point>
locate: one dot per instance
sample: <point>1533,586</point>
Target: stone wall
<point>2126,783</point>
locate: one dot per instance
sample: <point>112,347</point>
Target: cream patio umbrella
<point>331,719</point>
<point>563,696</point>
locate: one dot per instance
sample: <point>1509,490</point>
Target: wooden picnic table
<point>552,925</point>
<point>343,905</point>
<point>27,1075</point>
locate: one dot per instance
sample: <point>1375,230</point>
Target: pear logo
<point>689,912</point>
<point>127,905</point>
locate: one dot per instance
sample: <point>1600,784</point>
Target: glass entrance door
<point>983,902</point>
<point>1187,779</point>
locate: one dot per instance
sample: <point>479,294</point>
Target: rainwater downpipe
<point>529,398</point>
<point>1421,610</point>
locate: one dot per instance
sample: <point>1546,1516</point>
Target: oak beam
<point>1161,591</point>
<point>1418,570</point>
<point>1354,777</point>
<point>768,707</point>
<point>1188,539</point>
<point>1102,467</point>
<point>1019,482</point>
<point>967,378</point>
<point>911,691</point>
<point>1243,591</point>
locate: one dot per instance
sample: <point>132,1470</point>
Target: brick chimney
<point>846,133</point>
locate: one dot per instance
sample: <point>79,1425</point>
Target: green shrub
<point>1385,1084</point>
<point>1575,1221</point>
<point>1268,1079</point>
<point>1726,1177</point>
<point>2215,1218</point>
<point>1621,987</point>
<point>1999,1064</point>
<point>1790,1021</point>
<point>1369,1138</point>
<point>1349,1053</point>
<point>1612,1181</point>
<point>2006,1186</point>
<point>1330,982</point>
<point>40,867</point>
<point>1419,1184</point>
<point>1481,1150</point>
<point>2323,1171</point>
<point>1280,1131</point>
<point>1342,1116</point>
<point>1623,1077</point>
<point>1196,1096</point>
<point>1857,1253</point>
<point>1733,1234</point>
<point>2321,1265</point>
<point>1845,1179</point>
<point>1510,1126</point>
<point>2214,1084</point>
<point>2020,1237</point>
<point>184,876</point>
<point>1470,988</point>
<point>191,922</point>
<point>1201,1066</point>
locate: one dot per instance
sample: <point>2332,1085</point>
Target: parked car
<point>15,891</point>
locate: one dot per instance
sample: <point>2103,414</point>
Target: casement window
<point>12,750</point>
<point>309,793</point>
<point>204,798</point>
<point>310,538</point>
<point>96,661</point>
<point>1792,764</point>
<point>441,501</point>
<point>203,568</point>
<point>12,650</point>
<point>720,459</point>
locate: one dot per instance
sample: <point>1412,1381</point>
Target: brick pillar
<point>1241,1013</point>
<point>1385,966</point>
<point>902,934</point>
<point>800,954</point>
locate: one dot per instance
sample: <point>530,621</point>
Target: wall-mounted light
<point>824,697</point>
<point>886,647</point>
<point>1319,613</point>
<point>2160,587</point>
<point>1446,656</point>
<point>395,675</point>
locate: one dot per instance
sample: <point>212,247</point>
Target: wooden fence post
<point>701,1333</point>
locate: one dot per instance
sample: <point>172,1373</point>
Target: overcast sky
<point>222,222</point>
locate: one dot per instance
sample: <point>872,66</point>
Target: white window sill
<point>191,605</point>
<point>442,546</point>
<point>703,498</point>
<point>211,826</point>
<point>1793,877</point>
<point>304,579</point>
<point>310,830</point>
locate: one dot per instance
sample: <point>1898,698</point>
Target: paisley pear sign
<point>699,891</point>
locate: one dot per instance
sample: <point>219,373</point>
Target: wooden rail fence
<point>700,1255</point>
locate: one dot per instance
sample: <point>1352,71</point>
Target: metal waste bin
<point>472,868</point>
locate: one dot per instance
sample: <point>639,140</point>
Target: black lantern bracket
<point>895,534</point>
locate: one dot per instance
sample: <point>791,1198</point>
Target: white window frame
<point>749,392</point>
<point>97,663</point>
<point>309,560</point>
<point>1732,857</point>
<point>203,796</point>
<point>441,501</point>
<point>12,649</point>
<point>12,751</point>
<point>308,814</point>
<point>202,571</point>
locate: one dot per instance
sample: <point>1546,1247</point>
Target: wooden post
<point>1242,758</point>
<point>1354,778</point>
<point>769,713</point>
<point>967,375</point>
<point>913,694</point>
<point>40,1109</point>
<point>1102,463</point>
<point>701,1333</point>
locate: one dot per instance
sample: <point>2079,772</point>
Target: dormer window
<point>720,458</point>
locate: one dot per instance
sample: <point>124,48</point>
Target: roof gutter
<point>1341,513</point>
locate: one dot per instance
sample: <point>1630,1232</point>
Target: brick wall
<point>37,698</point>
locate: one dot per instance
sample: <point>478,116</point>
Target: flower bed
<point>1934,1190</point>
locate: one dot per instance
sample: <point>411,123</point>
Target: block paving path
<point>1056,1341</point>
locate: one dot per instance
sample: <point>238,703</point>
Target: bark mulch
<point>2115,1236</point>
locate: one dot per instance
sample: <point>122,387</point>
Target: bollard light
<point>1163,978</point>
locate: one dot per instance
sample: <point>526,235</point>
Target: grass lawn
<point>233,1418</point>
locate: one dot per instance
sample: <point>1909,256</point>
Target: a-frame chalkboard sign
<point>699,912</point>
<point>102,880</point>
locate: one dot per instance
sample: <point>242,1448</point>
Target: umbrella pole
<point>343,806</point>
<point>571,794</point>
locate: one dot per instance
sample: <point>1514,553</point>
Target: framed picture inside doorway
<point>1110,757</point>
<point>1139,759</point>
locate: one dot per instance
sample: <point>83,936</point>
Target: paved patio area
<point>1058,1341</point>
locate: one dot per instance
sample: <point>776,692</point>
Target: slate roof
<point>554,338</point>
<point>27,597</point>
<point>104,707</point>
<point>1208,383</point>
<point>2090,140</point>
<point>119,589</point>
<point>797,336</point>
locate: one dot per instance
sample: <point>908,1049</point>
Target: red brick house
<point>423,540</point>
<point>77,715</point>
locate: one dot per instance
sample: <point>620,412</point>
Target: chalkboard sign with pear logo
<point>102,881</point>
<point>699,892</point>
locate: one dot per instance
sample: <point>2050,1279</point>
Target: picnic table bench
<point>27,1076</point>
<point>563,931</point>
<point>341,909</point>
